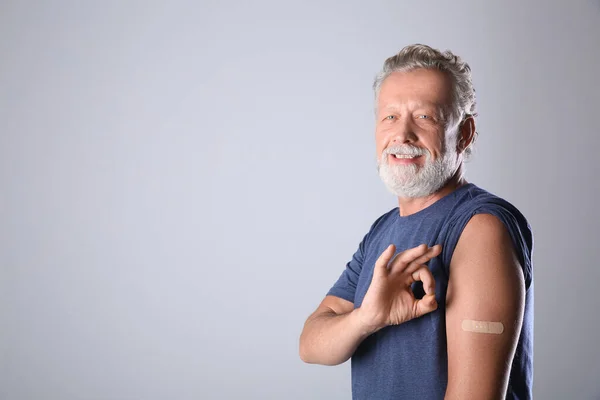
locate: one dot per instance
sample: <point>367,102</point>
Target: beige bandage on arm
<point>470,325</point>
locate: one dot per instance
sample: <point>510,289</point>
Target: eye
<point>390,117</point>
<point>423,116</point>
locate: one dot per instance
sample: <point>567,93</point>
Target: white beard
<point>411,181</point>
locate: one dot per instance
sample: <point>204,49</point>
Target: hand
<point>389,299</point>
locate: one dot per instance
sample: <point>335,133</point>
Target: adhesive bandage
<point>469,325</point>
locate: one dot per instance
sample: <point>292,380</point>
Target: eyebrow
<point>415,104</point>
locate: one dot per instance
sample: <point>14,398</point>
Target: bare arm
<point>334,331</point>
<point>486,284</point>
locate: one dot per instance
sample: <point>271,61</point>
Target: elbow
<point>304,357</point>
<point>304,351</point>
<point>309,354</point>
<point>309,357</point>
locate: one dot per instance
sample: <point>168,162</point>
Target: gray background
<point>180,184</point>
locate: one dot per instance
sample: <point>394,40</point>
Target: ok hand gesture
<point>389,299</point>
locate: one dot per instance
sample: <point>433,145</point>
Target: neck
<point>408,206</point>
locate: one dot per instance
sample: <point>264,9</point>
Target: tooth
<point>403,155</point>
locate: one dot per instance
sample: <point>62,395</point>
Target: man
<point>460,327</point>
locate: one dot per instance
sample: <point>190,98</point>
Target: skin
<point>486,283</point>
<point>410,110</point>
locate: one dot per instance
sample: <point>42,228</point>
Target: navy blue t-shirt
<point>410,361</point>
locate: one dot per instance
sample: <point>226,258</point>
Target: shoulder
<point>481,200</point>
<point>484,232</point>
<point>482,216</point>
<point>384,220</point>
<point>474,198</point>
<point>485,252</point>
<point>484,239</point>
<point>380,226</point>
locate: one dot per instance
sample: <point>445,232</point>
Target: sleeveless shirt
<point>409,361</point>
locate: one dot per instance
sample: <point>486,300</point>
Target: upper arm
<point>486,284</point>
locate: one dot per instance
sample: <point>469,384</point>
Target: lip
<point>402,161</point>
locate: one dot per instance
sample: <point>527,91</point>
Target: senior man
<point>437,301</point>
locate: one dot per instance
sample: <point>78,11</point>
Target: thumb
<point>382,262</point>
<point>426,305</point>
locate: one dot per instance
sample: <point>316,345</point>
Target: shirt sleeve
<point>345,287</point>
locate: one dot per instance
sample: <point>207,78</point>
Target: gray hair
<point>421,56</point>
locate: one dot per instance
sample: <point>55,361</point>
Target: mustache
<point>405,149</point>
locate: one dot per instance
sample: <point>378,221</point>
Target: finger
<point>419,261</point>
<point>402,260</point>
<point>382,262</point>
<point>424,275</point>
<point>425,305</point>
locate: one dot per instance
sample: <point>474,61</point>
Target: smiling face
<point>416,154</point>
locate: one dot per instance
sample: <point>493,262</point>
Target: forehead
<point>418,87</point>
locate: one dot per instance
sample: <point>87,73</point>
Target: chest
<point>404,238</point>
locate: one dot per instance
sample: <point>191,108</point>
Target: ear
<point>466,134</point>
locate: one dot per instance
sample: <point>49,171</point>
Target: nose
<point>404,133</point>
